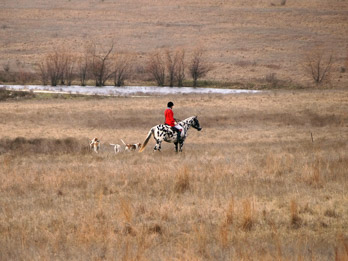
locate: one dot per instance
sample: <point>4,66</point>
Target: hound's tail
<point>147,140</point>
<point>123,142</point>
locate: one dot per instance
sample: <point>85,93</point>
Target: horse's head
<point>196,124</point>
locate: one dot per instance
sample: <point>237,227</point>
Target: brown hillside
<point>245,40</point>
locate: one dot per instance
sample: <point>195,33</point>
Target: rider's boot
<point>178,137</point>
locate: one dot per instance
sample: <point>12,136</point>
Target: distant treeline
<point>166,67</point>
<point>62,67</point>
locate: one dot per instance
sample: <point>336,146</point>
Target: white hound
<point>117,147</point>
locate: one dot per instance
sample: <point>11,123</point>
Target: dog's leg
<point>96,147</point>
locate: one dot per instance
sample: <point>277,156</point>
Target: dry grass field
<point>252,185</point>
<point>245,40</point>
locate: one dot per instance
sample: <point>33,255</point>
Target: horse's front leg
<point>181,145</point>
<point>176,146</point>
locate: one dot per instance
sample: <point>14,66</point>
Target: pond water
<point>125,90</point>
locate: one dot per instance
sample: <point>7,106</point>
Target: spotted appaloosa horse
<point>163,132</point>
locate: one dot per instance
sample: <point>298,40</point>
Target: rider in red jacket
<point>169,116</point>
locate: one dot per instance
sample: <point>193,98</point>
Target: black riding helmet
<point>170,104</point>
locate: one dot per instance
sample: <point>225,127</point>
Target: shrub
<point>318,65</point>
<point>272,80</point>
<point>7,94</point>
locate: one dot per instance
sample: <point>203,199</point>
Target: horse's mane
<point>187,119</point>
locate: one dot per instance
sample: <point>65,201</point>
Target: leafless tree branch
<point>101,67</point>
<point>156,68</point>
<point>198,67</point>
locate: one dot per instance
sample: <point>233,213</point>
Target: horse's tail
<point>146,141</point>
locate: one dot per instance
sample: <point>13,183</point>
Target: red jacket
<point>169,115</point>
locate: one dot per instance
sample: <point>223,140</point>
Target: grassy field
<point>245,40</point>
<point>266,179</point>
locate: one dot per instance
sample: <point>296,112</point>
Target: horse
<point>164,132</point>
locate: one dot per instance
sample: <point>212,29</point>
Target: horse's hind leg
<point>158,145</point>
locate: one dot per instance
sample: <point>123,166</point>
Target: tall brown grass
<point>295,219</point>
<point>247,222</point>
<point>251,185</point>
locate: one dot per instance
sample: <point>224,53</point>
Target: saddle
<point>173,128</point>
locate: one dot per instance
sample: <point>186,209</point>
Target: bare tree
<point>55,64</point>
<point>318,65</point>
<point>82,70</point>
<point>65,65</point>
<point>198,67</point>
<point>171,62</point>
<point>43,73</point>
<point>123,68</point>
<point>180,67</point>
<point>69,72</point>
<point>156,68</point>
<point>83,65</point>
<point>56,67</point>
<point>175,66</point>
<point>101,67</point>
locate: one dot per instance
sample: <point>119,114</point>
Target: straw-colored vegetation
<point>252,185</point>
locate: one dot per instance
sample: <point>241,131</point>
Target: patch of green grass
<point>67,96</point>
